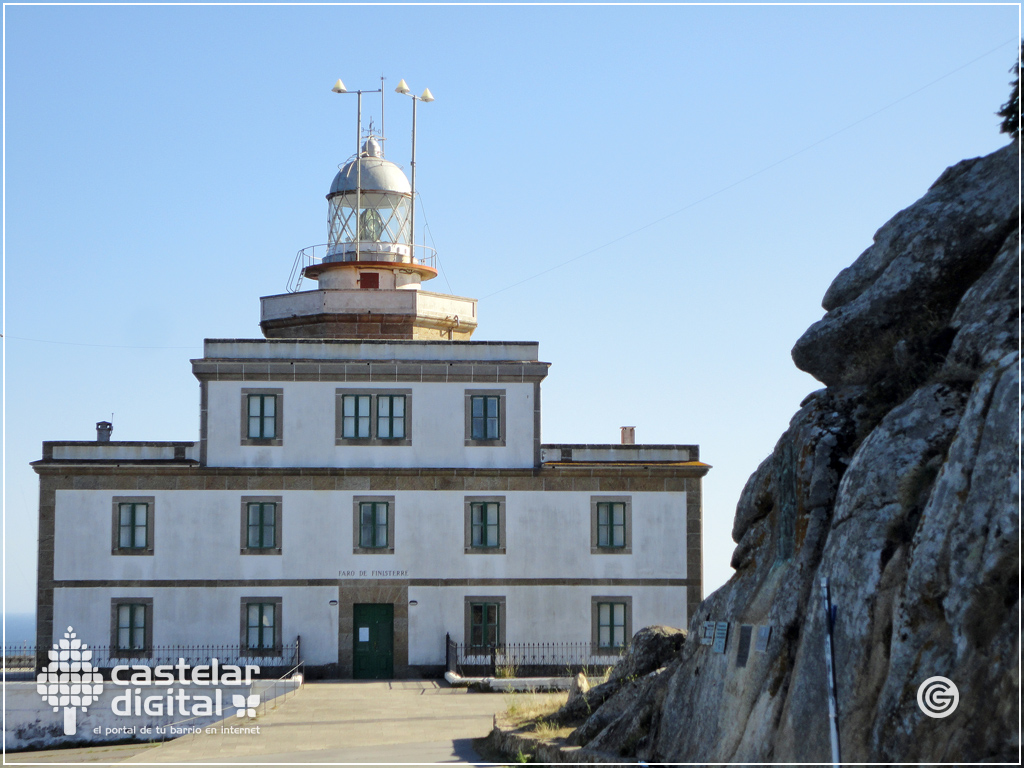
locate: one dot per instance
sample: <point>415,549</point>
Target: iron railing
<point>271,661</point>
<point>19,658</point>
<point>530,659</point>
<point>422,255</point>
<point>289,682</point>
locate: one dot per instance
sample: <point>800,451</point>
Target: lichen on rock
<point>899,483</point>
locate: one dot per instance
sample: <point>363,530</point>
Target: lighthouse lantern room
<point>369,272</point>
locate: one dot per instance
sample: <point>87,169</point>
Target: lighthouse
<point>371,481</point>
<point>369,273</point>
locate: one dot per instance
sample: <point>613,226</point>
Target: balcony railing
<point>422,255</point>
<point>530,659</point>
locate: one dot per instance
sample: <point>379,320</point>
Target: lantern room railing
<point>423,255</point>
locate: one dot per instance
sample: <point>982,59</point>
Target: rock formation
<point>899,483</point>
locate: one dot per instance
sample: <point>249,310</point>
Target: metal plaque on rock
<point>721,635</point>
<point>707,635</point>
<point>763,635</point>
<point>743,652</point>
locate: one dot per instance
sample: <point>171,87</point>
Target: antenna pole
<point>412,213</point>
<point>382,134</point>
<point>359,168</point>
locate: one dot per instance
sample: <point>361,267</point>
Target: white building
<point>367,478</point>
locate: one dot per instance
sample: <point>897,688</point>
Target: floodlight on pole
<point>339,87</point>
<point>426,98</point>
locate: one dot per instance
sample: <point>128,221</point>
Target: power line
<point>105,346</point>
<point>750,176</point>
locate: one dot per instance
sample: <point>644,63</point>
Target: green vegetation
<point>1011,109</point>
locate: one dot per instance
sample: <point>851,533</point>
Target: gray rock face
<point>650,649</point>
<point>905,287</point>
<point>898,482</point>
<point>578,690</point>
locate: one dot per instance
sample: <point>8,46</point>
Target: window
<point>612,621</point>
<point>261,628</point>
<point>485,622</point>
<point>391,417</point>
<point>261,625</point>
<point>611,520</point>
<point>373,525</point>
<point>261,525</point>
<point>262,416</point>
<point>133,525</point>
<point>373,417</point>
<point>485,417</point>
<point>483,618</point>
<point>355,416</point>
<point>485,525</point>
<point>131,626</point>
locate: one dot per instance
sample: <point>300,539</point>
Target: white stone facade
<point>194,569</point>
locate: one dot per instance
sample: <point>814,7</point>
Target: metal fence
<point>529,659</point>
<point>271,662</point>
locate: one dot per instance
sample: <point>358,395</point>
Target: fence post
<point>298,649</point>
<point>494,661</point>
<point>448,652</point>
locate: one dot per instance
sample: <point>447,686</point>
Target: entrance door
<point>373,647</point>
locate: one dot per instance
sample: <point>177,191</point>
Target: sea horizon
<point>19,629</point>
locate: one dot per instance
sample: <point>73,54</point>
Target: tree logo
<point>246,705</point>
<point>69,680</point>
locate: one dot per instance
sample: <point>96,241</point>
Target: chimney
<point>103,430</point>
<point>628,435</point>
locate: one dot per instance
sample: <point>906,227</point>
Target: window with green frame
<point>133,525</point>
<point>262,417</point>
<point>484,522</point>
<point>611,524</point>
<point>131,627</point>
<point>391,417</point>
<point>355,418</point>
<point>262,525</point>
<point>611,625</point>
<point>373,524</point>
<point>484,417</point>
<point>484,630</point>
<point>261,626</point>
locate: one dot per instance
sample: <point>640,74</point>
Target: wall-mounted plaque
<point>743,651</point>
<point>707,635</point>
<point>763,636</point>
<point>721,636</point>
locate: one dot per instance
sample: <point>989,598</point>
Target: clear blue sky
<point>164,164</point>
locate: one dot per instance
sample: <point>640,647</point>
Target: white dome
<point>378,174</point>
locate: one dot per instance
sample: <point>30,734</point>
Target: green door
<point>372,639</point>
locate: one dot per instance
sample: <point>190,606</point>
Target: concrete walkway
<point>415,721</point>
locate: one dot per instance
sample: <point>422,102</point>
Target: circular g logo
<point>938,697</point>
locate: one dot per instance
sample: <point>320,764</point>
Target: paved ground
<point>352,722</point>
